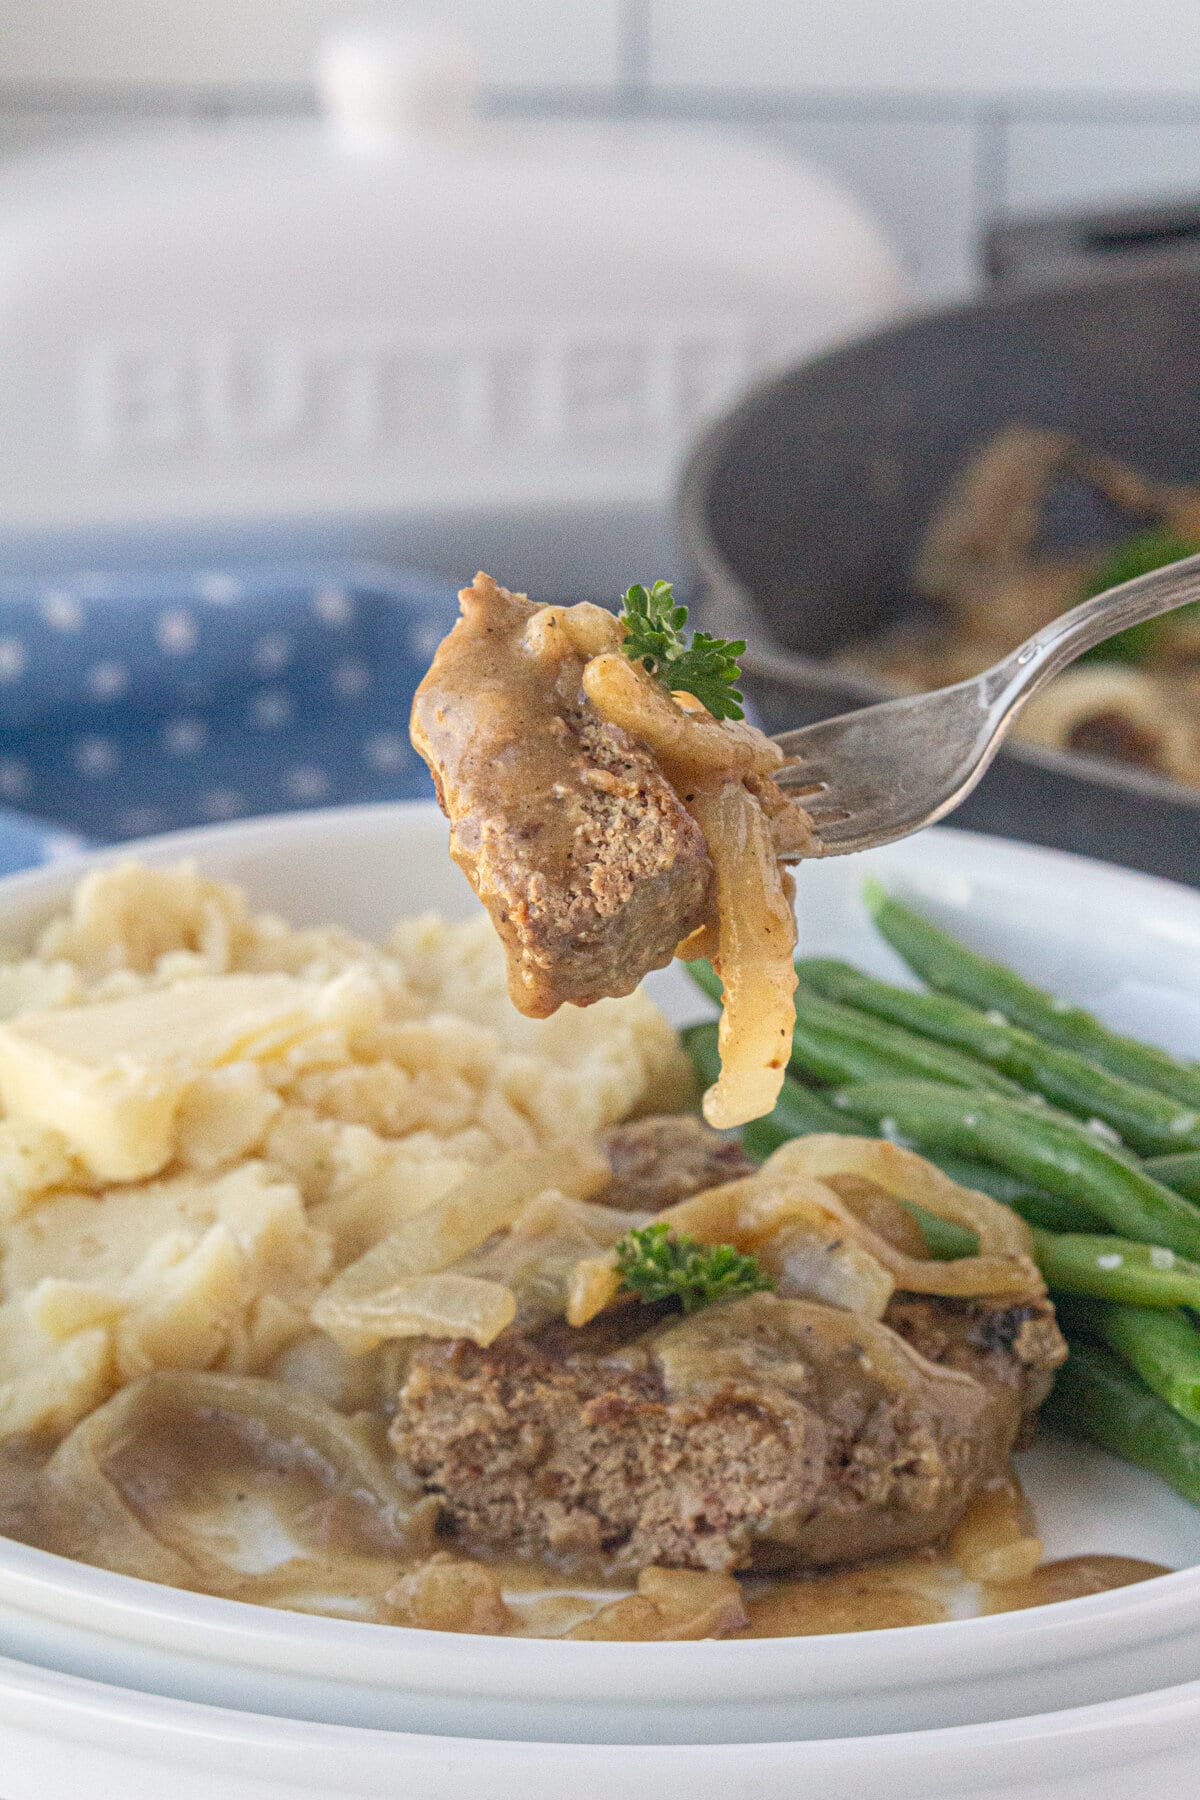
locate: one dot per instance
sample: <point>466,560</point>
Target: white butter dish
<point>474,335</point>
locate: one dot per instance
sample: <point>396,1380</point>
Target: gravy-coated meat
<point>759,1433</point>
<point>1019,1346</point>
<point>591,868</point>
<point>659,1161</point>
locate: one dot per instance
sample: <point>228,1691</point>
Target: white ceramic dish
<point>62,1737</point>
<point>1123,942</point>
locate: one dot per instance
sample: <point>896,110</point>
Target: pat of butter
<point>110,1076</point>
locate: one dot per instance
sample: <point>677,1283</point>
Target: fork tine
<point>808,772</point>
<point>876,774</point>
<point>837,836</point>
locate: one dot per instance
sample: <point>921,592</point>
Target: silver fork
<point>871,776</point>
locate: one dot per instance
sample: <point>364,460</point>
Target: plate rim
<point>831,1663</point>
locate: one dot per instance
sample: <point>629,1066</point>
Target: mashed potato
<point>207,1115</point>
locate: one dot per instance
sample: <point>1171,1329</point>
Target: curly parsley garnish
<point>706,668</point>
<point>657,1265</point>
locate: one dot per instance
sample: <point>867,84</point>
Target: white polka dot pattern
<point>222,803</point>
<point>176,633</point>
<point>272,708</point>
<point>15,779</point>
<point>334,606</point>
<point>218,588</point>
<point>106,680</point>
<point>138,703</point>
<point>307,784</point>
<point>350,678</point>
<point>271,653</point>
<point>96,757</point>
<point>386,751</point>
<point>62,611</point>
<point>184,737</point>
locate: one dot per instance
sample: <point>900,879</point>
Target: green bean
<point>1113,1268</point>
<point>1047,1212</point>
<point>1037,1145</point>
<point>1180,1172</point>
<point>700,1042</point>
<point>835,1044</point>
<point>1106,1269</point>
<point>983,1178</point>
<point>706,978</point>
<point>1147,1120</point>
<point>1052,1211</point>
<point>796,1112</point>
<point>1160,1343</point>
<point>1096,1397</point>
<point>944,1240</point>
<point>943,963</point>
<point>799,1111</point>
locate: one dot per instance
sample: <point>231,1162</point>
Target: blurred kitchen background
<point>942,115</point>
<point>308,309</point>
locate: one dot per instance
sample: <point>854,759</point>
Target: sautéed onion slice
<point>118,1493</point>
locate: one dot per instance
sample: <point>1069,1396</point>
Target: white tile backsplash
<point>942,115</point>
<point>919,176</point>
<point>28,128</point>
<point>262,43</point>
<point>1068,163</point>
<point>982,47</point>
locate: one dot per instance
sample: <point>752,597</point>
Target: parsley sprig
<point>657,1265</point>
<point>706,668</point>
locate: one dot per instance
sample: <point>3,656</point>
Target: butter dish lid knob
<point>380,83</point>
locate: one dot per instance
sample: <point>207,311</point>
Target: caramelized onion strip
<point>376,1297</point>
<point>1004,1263</point>
<point>816,1246</point>
<point>97,1515</point>
<point>762,1214</point>
<point>582,630</point>
<point>803,1235</point>
<point>446,1305</point>
<point>670,1605</point>
<point>757,935</point>
<point>687,743</point>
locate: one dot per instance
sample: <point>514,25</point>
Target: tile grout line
<point>991,126</point>
<point>633,53</point>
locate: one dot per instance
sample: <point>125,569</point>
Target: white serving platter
<point>1124,943</point>
<point>61,1736</point>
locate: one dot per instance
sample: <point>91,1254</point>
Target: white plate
<point>61,1737</point>
<point>1099,934</point>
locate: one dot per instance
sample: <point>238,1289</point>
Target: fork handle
<point>1066,638</point>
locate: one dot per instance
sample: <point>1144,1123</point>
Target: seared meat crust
<point>763,1432</point>
<point>1016,1346</point>
<point>659,1161</point>
<point>591,868</point>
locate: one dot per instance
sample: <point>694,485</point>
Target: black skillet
<point>801,512</point>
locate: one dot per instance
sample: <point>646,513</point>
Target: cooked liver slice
<point>759,1433</point>
<point>591,868</point>
<point>659,1161</point>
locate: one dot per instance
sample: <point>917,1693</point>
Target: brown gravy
<point>901,1592</point>
<point>1069,1579</point>
<point>916,1592</point>
<point>992,1563</point>
<point>221,1509</point>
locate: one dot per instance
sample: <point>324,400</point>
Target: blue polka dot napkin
<point>132,704</point>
